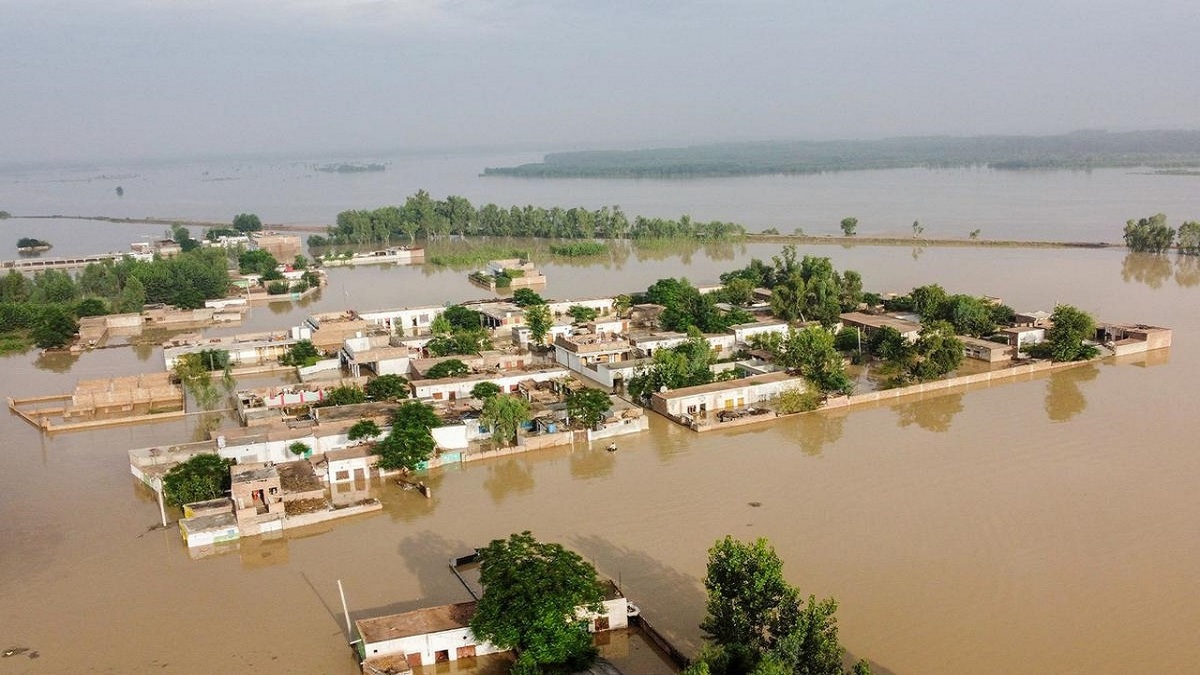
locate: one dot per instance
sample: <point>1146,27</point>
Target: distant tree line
<point>1154,235</point>
<point>422,216</point>
<point>48,305</point>
<point>1078,150</point>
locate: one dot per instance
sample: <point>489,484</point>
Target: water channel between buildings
<point>1042,526</point>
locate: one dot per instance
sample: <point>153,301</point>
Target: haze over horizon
<point>145,79</point>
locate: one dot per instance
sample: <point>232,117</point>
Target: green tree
<point>1064,339</point>
<point>301,354</point>
<point>1149,235</point>
<point>758,622</point>
<point>968,315</point>
<point>811,351</point>
<point>580,314</point>
<point>917,228</point>
<point>1189,238</point>
<point>440,326</point>
<point>588,406</point>
<point>525,297</point>
<point>928,301</point>
<point>200,478</point>
<point>299,448</point>
<point>388,387</point>
<point>937,350</point>
<point>54,329</point>
<point>532,594</point>
<point>415,415</point>
<point>750,604</point>
<point>537,317</point>
<point>461,318</point>
<point>505,414</point>
<point>257,261</point>
<point>405,449</point>
<point>348,394</point>
<point>133,296</point>
<point>849,226</point>
<point>247,222</point>
<point>485,390</point>
<point>363,429</point>
<point>91,307</point>
<point>447,368</point>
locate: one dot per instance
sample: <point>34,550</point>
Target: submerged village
<point>394,393</point>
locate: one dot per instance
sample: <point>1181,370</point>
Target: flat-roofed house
<point>688,403</point>
<point>869,323</point>
<point>986,350</point>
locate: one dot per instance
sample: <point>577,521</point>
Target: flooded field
<point>1043,526</point>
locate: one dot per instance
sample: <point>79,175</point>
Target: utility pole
<point>341,592</point>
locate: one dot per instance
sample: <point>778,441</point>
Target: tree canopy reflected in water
<point>507,477</point>
<point>1064,398</point>
<point>932,414</point>
<point>813,431</point>
<point>1155,269</point>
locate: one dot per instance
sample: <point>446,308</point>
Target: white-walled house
<point>453,388</point>
<point>742,332</point>
<point>603,305</point>
<point>441,634</point>
<point>405,320</point>
<point>382,354</point>
<point>692,402</point>
<point>578,352</point>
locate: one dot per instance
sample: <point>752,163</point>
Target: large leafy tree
<point>447,368</point>
<point>1189,238</point>
<point>387,388</point>
<point>1149,235</point>
<point>409,443</point>
<point>532,594</point>
<point>811,351</point>
<point>938,351</point>
<point>526,297</point>
<point>587,406</point>
<point>200,478</point>
<point>1064,340</point>
<point>757,621</point>
<point>54,329</point>
<point>537,317</point>
<point>247,222</point>
<point>505,414</point>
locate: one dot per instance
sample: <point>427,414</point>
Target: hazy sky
<point>118,79</point>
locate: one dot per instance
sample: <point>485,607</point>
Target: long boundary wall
<point>1025,371</point>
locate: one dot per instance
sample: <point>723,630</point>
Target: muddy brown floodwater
<point>1044,526</point>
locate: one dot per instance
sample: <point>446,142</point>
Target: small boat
<point>612,447</point>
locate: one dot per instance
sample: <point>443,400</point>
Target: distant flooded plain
<point>1042,526</point>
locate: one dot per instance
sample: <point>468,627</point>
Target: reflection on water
<point>1151,269</point>
<point>592,461</point>
<point>56,362</point>
<point>1064,399</point>
<point>813,431</point>
<point>931,414</point>
<point>917,252</point>
<point>506,477</point>
<point>1187,270</point>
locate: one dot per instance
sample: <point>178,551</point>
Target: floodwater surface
<point>1042,526</point>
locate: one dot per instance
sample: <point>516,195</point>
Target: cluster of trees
<point>811,352</point>
<point>809,289</point>
<point>936,352</point>
<point>684,365</point>
<point>301,355</point>
<point>1082,149</point>
<point>758,623</point>
<point>29,243</point>
<point>201,478</point>
<point>409,442</point>
<point>1154,235</point>
<point>532,594</point>
<point>588,406</point>
<point>194,371</point>
<point>48,305</point>
<point>458,331</point>
<point>685,307</point>
<point>969,315</point>
<point>423,216</point>
<point>504,413</point>
<point>1065,340</point>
